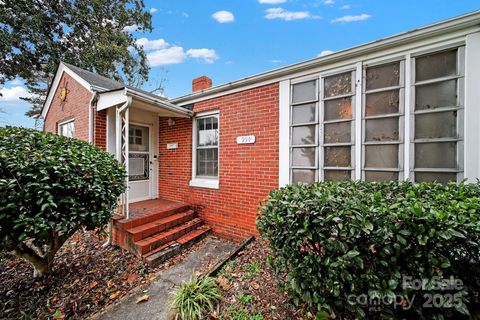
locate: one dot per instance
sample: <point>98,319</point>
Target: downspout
<point>119,158</point>
<point>91,112</point>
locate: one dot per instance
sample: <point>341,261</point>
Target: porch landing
<point>158,229</point>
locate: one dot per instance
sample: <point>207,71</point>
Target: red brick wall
<point>247,172</point>
<point>76,106</point>
<point>100,134</point>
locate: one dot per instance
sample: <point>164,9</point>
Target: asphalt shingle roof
<point>106,83</point>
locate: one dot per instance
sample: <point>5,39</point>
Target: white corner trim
<point>284,134</point>
<point>472,110</point>
<point>204,183</point>
<point>62,68</point>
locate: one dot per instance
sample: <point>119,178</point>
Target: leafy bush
<point>358,249</point>
<point>195,298</point>
<point>51,186</point>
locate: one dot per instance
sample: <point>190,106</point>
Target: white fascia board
<point>441,31</point>
<point>159,102</point>
<point>55,83</point>
<point>110,99</point>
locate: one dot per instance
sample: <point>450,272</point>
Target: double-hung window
<point>67,128</point>
<point>383,122</point>
<point>206,148</point>
<point>438,116</point>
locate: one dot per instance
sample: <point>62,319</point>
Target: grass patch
<point>241,314</point>
<point>245,299</point>
<point>250,270</point>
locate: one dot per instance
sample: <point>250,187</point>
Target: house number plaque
<point>245,139</point>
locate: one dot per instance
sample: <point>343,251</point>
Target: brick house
<point>403,107</point>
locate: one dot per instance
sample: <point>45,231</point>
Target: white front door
<point>139,163</point>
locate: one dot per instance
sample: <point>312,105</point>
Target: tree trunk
<point>42,264</point>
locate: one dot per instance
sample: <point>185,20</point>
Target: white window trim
<point>204,182</point>
<point>60,124</point>
<point>467,169</point>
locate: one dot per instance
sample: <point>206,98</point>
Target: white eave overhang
<point>141,101</point>
<point>463,22</point>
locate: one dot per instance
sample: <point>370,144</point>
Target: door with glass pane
<point>139,163</point>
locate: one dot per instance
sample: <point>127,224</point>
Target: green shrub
<point>51,186</point>
<point>195,298</point>
<point>351,247</point>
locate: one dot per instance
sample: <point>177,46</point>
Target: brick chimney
<point>201,83</point>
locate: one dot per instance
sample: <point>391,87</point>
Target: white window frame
<point>400,114</point>
<point>315,122</point>
<point>322,145</point>
<point>63,123</point>
<point>406,121</point>
<point>460,109</point>
<point>203,181</point>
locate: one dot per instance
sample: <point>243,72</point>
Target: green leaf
<point>352,254</point>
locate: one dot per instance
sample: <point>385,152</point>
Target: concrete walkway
<point>159,291</point>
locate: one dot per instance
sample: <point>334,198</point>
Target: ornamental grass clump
<point>368,250</point>
<point>50,187</point>
<point>194,299</point>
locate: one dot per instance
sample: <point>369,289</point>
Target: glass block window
<point>304,132</point>
<point>383,122</point>
<point>207,137</point>
<point>438,116</point>
<point>337,126</point>
<point>67,129</point>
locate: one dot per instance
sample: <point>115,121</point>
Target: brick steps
<point>151,243</point>
<point>156,234</point>
<point>173,248</point>
<point>145,230</point>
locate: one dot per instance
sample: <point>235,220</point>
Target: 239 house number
<point>245,139</point>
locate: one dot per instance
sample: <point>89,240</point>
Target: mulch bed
<point>250,289</point>
<point>85,279</point>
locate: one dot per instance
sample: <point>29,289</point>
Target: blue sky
<point>230,39</point>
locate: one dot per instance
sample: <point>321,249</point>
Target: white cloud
<point>160,53</point>
<point>325,52</point>
<point>152,44</point>
<point>131,28</point>
<point>345,7</point>
<point>328,2</point>
<point>276,61</point>
<point>172,55</point>
<point>271,1</point>
<point>345,19</point>
<point>185,14</point>
<point>280,13</point>
<point>153,10</point>
<point>223,16</point>
<point>206,55</point>
<point>14,93</point>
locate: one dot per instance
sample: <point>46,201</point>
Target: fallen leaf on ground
<point>143,298</point>
<point>132,277</point>
<point>115,295</point>
<point>223,283</point>
<point>93,285</point>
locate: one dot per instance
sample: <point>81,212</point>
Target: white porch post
<point>121,134</point>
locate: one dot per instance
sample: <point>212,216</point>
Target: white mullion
<point>321,117</point>
<point>358,121</point>
<point>409,73</point>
